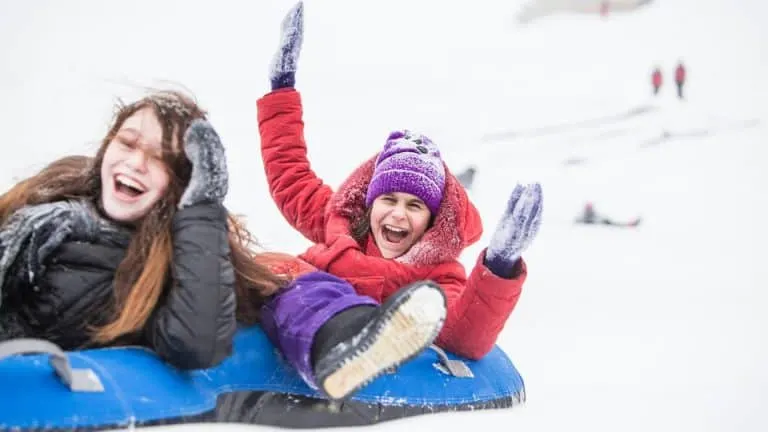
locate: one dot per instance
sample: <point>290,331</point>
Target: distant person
<point>604,9</point>
<point>656,80</point>
<point>680,74</point>
<point>467,177</point>
<point>590,217</point>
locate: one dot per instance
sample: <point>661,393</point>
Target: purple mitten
<point>282,71</point>
<point>516,230</point>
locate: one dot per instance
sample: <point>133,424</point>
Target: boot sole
<point>409,328</point>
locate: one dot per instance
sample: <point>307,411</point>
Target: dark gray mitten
<point>33,232</point>
<point>282,70</point>
<point>209,180</point>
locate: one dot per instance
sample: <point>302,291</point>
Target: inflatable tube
<point>132,387</point>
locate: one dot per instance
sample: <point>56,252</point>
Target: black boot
<point>342,326</point>
<point>360,343</point>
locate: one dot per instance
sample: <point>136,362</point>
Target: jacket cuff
<point>519,268</point>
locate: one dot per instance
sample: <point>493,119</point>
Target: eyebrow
<point>130,131</point>
<point>136,135</point>
<point>410,200</point>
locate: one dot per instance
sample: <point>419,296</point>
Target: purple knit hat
<point>409,163</point>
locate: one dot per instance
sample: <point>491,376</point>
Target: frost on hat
<point>409,163</point>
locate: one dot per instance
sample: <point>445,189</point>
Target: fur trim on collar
<point>456,225</point>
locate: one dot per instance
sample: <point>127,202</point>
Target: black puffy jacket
<point>193,324</point>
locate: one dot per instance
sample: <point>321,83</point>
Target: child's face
<point>398,220</point>
<point>133,174</point>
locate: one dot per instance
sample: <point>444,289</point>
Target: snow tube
<point>46,388</point>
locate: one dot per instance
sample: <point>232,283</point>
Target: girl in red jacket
<point>400,217</point>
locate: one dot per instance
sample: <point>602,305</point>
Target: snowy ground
<point>661,328</point>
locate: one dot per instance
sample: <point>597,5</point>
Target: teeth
<point>396,229</point>
<point>127,181</point>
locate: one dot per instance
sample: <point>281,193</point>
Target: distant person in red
<point>604,9</point>
<point>680,79</point>
<point>656,80</point>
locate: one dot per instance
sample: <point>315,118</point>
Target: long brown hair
<point>136,293</point>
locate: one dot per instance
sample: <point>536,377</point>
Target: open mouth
<point>394,234</point>
<point>128,187</point>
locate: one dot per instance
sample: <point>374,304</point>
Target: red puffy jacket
<point>478,306</point>
<point>680,74</point>
<point>656,78</point>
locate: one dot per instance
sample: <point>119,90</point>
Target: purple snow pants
<point>293,316</point>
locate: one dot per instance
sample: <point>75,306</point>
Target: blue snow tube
<point>131,386</point>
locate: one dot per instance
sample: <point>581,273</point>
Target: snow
<point>660,328</point>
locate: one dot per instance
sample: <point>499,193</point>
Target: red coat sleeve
<point>299,194</point>
<point>478,307</point>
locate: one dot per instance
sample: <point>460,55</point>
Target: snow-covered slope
<point>660,328</point>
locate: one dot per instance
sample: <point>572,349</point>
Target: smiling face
<point>398,220</point>
<point>133,174</point>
